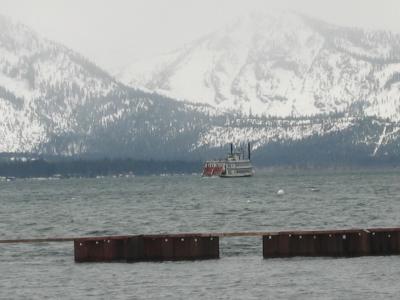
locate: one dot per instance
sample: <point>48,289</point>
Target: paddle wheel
<point>213,168</point>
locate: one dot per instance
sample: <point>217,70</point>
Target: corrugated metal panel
<point>146,248</point>
<point>341,243</point>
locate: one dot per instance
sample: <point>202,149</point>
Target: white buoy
<point>280,192</point>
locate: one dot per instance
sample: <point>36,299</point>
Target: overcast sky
<point>115,32</point>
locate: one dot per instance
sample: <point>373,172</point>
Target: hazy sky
<point>115,32</point>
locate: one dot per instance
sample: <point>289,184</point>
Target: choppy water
<point>78,207</point>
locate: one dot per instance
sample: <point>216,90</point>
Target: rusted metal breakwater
<point>146,248</point>
<point>194,246</point>
<point>335,243</point>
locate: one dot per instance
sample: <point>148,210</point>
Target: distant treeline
<point>337,150</point>
<point>93,168</point>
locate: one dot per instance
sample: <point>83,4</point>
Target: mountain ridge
<point>55,102</point>
<point>285,65</point>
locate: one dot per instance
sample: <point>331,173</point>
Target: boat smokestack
<point>248,150</point>
<point>231,148</point>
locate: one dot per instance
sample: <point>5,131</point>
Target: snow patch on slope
<point>280,65</point>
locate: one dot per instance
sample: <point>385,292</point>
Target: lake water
<point>172,204</point>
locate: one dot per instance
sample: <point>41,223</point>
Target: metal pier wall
<point>146,248</point>
<point>194,246</point>
<point>335,243</point>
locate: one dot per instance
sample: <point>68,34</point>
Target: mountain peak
<point>54,101</point>
<point>284,64</point>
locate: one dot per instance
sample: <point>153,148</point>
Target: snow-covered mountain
<point>281,65</point>
<point>53,101</point>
